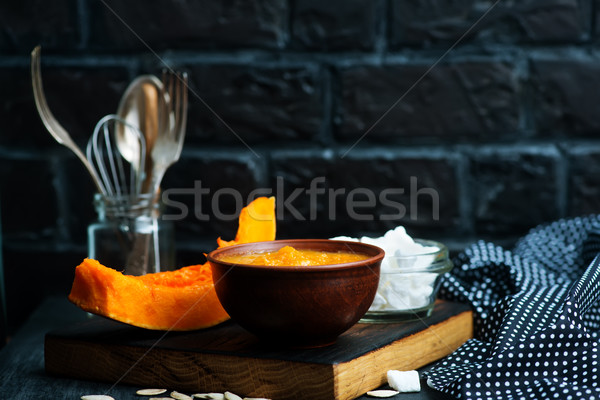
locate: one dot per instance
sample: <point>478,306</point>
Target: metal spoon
<point>142,105</point>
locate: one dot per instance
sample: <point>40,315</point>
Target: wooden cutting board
<point>226,357</point>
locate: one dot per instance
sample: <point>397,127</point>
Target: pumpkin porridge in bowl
<point>289,256</point>
<point>302,293</point>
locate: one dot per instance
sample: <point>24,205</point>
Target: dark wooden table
<point>22,375</point>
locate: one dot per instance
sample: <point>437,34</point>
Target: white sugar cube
<point>399,289</point>
<point>345,239</point>
<point>404,381</point>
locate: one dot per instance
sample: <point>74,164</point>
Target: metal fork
<point>169,143</point>
<point>50,122</point>
<point>179,106</point>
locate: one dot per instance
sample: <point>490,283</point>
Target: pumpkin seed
<point>180,396</point>
<point>231,396</point>
<point>150,392</point>
<point>96,397</point>
<point>382,393</point>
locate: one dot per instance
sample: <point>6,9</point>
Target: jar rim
<point>127,206</point>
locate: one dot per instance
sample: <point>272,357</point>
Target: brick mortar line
<point>298,59</point>
<point>218,152</point>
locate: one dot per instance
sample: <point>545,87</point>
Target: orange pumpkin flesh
<point>184,299</point>
<point>256,223</point>
<point>178,300</point>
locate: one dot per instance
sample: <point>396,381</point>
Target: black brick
<point>584,179</point>
<point>174,24</point>
<point>21,125</point>
<point>514,188</point>
<point>76,191</point>
<point>25,24</point>
<point>28,199</point>
<point>422,176</point>
<point>221,173</point>
<point>260,104</point>
<point>334,25</point>
<point>451,102</point>
<point>596,19</point>
<point>32,273</point>
<point>565,95</point>
<point>445,22</point>
<point>78,98</point>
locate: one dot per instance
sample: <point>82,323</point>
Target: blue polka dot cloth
<point>536,317</point>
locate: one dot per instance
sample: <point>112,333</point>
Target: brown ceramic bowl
<point>297,306</point>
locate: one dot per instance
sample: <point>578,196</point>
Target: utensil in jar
<point>50,122</point>
<point>143,105</point>
<point>169,142</point>
<point>119,179</point>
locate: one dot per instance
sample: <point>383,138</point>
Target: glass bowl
<point>408,284</point>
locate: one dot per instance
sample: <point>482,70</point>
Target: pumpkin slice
<point>256,223</point>
<point>184,299</point>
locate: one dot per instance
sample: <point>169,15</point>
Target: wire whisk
<point>118,177</point>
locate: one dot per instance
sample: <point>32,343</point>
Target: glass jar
<point>408,285</point>
<point>130,235</point>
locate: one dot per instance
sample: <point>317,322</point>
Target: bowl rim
<point>378,257</point>
<point>440,265</point>
<point>442,249</point>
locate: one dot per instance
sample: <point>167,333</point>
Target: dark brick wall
<point>493,129</point>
